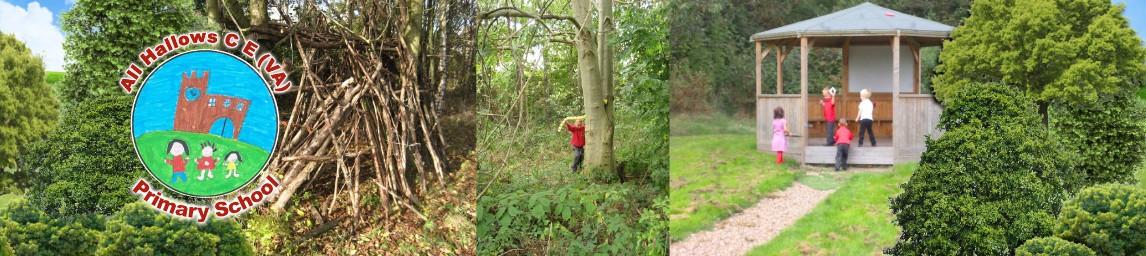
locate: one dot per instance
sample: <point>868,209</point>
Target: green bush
<point>1052,246</point>
<point>984,188</point>
<point>87,167</point>
<point>987,104</point>
<point>135,230</point>
<point>1111,219</point>
<point>27,106</point>
<point>30,232</point>
<point>1109,134</point>
<point>140,230</point>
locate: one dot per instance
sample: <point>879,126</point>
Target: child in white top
<point>864,117</point>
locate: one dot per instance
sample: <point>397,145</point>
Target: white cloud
<point>33,26</point>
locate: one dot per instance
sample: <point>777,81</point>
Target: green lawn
<point>53,77</point>
<point>714,176</point>
<point>153,150</point>
<point>854,220</point>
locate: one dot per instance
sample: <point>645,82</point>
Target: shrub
<point>1052,246</point>
<point>30,232</point>
<point>985,186</point>
<point>27,107</point>
<point>135,230</point>
<point>140,230</point>
<point>88,166</point>
<point>1111,219</point>
<point>1109,134</point>
<point>987,104</point>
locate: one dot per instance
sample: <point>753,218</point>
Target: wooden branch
<point>513,12</point>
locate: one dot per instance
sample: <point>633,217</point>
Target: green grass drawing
<point>153,150</point>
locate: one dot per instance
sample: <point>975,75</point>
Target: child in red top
<point>577,129</point>
<point>829,105</point>
<point>843,140</point>
<point>206,162</point>
<point>177,148</point>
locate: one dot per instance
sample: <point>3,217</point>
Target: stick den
<point>199,213</point>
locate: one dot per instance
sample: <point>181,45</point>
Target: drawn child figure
<point>864,117</point>
<point>177,149</point>
<point>828,103</point>
<point>577,131</point>
<point>232,161</point>
<point>206,162</point>
<point>843,141</point>
<point>779,134</point>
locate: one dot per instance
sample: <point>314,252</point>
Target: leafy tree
<point>27,107</point>
<point>1110,218</point>
<point>104,36</point>
<point>87,167</point>
<point>1063,51</point>
<point>988,184</point>
<point>1052,246</point>
<point>1110,134</point>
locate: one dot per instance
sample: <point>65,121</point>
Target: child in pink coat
<point>779,134</point>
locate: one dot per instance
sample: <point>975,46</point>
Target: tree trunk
<point>595,68</point>
<point>258,9</point>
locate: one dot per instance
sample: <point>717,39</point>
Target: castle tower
<point>189,108</point>
<point>199,112</point>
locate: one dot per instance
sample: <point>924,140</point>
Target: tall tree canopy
<point>1054,50</point>
<point>27,106</point>
<point>104,36</point>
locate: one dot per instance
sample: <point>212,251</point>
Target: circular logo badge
<point>204,123</point>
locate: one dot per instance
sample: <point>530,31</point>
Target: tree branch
<point>513,12</point>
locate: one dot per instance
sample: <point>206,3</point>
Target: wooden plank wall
<point>916,117</point>
<point>791,103</point>
<point>848,109</point>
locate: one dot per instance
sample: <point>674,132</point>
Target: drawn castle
<point>199,112</point>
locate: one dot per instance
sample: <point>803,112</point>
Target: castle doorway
<point>223,127</point>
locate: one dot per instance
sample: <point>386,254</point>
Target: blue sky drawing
<point>155,105</point>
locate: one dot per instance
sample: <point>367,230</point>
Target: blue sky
<point>229,76</point>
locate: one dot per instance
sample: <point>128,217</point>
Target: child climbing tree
<point>595,71</point>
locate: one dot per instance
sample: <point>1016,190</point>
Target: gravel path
<point>754,226</point>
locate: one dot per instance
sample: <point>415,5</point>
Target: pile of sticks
<point>366,104</point>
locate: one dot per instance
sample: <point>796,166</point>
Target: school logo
<point>205,122</point>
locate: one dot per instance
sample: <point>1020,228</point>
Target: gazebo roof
<point>864,20</point>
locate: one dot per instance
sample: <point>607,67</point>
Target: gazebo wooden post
<point>894,92</point>
<point>841,103</point>
<point>916,78</point>
<point>761,53</point>
<point>804,47</point>
<point>781,53</point>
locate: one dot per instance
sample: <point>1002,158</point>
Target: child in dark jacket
<point>843,141</point>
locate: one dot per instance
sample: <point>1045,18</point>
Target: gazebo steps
<point>856,155</point>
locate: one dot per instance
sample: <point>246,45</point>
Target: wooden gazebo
<point>872,39</point>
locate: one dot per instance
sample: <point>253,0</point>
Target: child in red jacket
<point>577,130</point>
<point>843,141</point>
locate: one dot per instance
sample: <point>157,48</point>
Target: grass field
<point>53,77</point>
<point>153,150</point>
<point>855,220</point>
<point>716,172</point>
